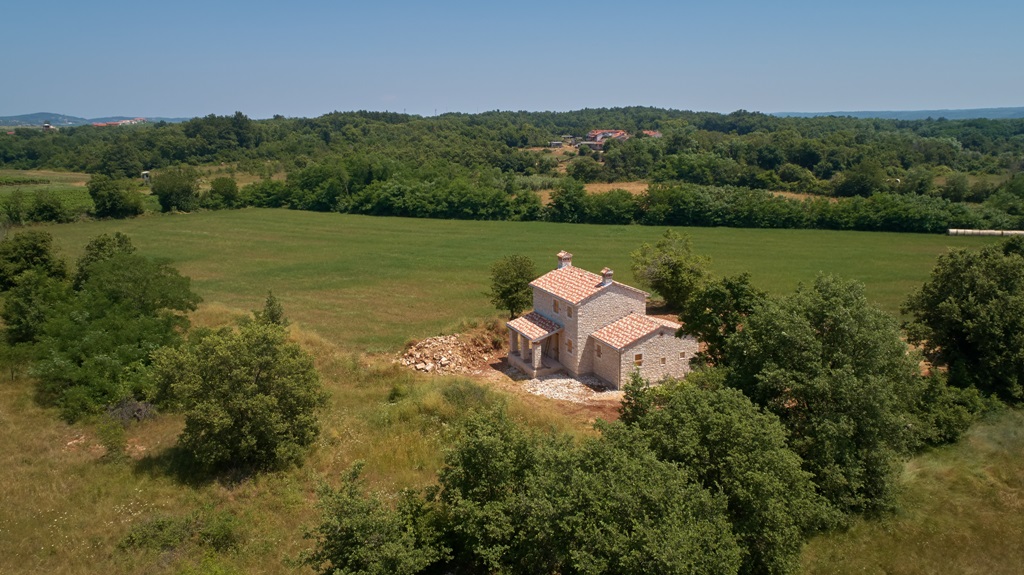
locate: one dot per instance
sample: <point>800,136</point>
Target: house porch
<point>533,345</point>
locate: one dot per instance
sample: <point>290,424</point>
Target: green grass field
<point>370,284</point>
<point>69,187</point>
<point>358,285</point>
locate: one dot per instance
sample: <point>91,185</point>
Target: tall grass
<point>961,511</point>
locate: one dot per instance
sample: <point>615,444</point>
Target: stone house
<point>589,324</point>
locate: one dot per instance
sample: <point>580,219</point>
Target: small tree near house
<point>510,284</point>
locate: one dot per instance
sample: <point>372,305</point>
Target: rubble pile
<point>445,354</point>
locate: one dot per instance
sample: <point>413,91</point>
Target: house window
<point>597,351</point>
<point>554,305</point>
<point>638,359</point>
<point>662,361</point>
<point>568,345</point>
<point>568,310</point>
<point>682,355</point>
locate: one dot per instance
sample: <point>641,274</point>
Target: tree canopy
<point>671,268</point>
<point>510,283</point>
<point>251,398</point>
<point>969,317</point>
<point>838,375</point>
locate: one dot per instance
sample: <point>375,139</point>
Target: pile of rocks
<point>443,354</point>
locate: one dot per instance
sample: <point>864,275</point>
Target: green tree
<point>733,447</point>
<point>716,311</point>
<point>250,397</point>
<point>120,160</point>
<point>47,207</point>
<point>510,284</point>
<point>272,312</point>
<point>95,347</point>
<point>26,251</point>
<point>568,202</point>
<point>29,304</point>
<point>585,169</point>
<point>514,502</point>
<point>969,316</point>
<point>114,198</point>
<point>361,534</point>
<point>223,193</point>
<point>670,268</point>
<point>101,248</point>
<point>864,179</point>
<point>838,375</point>
<point>177,188</point>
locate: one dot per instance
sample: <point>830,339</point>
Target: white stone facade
<point>582,303</point>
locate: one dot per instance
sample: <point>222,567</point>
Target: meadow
<point>357,289</point>
<point>370,284</point>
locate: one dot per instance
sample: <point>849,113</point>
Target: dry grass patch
<point>961,511</point>
<point>635,188</point>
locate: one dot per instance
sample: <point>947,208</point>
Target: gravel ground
<point>562,387</point>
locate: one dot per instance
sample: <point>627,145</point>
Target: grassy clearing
<point>351,285</point>
<point>370,284</point>
<point>69,187</point>
<point>962,511</point>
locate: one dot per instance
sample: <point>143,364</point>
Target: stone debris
<point>445,354</point>
<point>562,387</point>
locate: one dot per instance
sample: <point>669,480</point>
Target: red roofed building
<point>589,324</point>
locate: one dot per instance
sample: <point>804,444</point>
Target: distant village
<point>595,139</point>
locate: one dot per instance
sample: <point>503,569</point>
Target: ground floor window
<point>568,345</point>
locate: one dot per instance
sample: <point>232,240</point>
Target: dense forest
<point>705,169</point>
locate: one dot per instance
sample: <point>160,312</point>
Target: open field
<point>68,187</point>
<point>354,285</point>
<point>370,284</point>
<point>961,511</point>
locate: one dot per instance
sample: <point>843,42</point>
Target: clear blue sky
<point>307,58</point>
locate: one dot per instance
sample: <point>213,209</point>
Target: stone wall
<point>660,345</point>
<point>611,304</point>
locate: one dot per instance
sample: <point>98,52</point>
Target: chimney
<point>606,274</point>
<point>564,259</point>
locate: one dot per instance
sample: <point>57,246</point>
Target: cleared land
<point>355,284</point>
<point>369,284</point>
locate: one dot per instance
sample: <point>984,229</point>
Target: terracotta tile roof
<point>622,333</point>
<point>569,283</point>
<point>534,326</point>
<point>574,284</point>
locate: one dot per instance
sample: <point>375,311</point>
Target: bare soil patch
<point>485,360</point>
<point>802,196</point>
<point>635,188</point>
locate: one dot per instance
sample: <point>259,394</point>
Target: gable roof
<point>534,326</point>
<point>574,284</point>
<point>626,331</point>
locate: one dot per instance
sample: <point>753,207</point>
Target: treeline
<point>742,148</point>
<point>487,166</point>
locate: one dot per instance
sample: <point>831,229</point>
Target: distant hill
<point>989,113</point>
<point>58,120</point>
